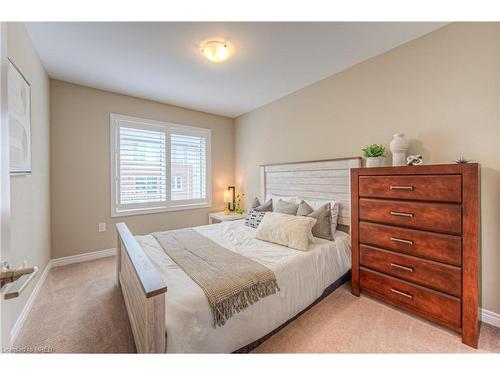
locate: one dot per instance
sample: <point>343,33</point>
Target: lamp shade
<point>228,197</point>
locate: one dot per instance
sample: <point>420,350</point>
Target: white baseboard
<point>16,329</point>
<point>490,317</point>
<point>14,332</point>
<point>83,257</point>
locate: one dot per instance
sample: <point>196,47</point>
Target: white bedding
<point>302,277</point>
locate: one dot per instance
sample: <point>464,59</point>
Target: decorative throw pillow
<point>304,209</point>
<point>317,203</point>
<point>275,198</point>
<point>255,203</point>
<point>254,218</point>
<point>266,207</point>
<point>323,226</point>
<point>287,230</point>
<point>284,207</point>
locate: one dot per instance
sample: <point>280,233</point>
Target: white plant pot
<point>375,162</point>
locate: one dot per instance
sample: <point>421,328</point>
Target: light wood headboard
<point>321,179</point>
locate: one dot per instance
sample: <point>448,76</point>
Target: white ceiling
<point>160,61</point>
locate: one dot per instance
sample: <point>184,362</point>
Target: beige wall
<point>30,199</point>
<point>441,90</point>
<point>80,166</point>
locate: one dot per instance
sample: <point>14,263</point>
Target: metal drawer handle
<point>404,214</point>
<point>395,265</point>
<point>401,293</point>
<point>397,187</point>
<point>395,239</point>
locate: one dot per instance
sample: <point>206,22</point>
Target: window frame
<point>117,120</point>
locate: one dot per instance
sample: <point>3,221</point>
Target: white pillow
<point>317,203</point>
<point>287,230</point>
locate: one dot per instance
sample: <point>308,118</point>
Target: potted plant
<point>237,206</point>
<point>374,155</point>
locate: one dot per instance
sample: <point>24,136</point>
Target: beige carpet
<point>81,311</point>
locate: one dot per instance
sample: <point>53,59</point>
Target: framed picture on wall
<point>19,112</point>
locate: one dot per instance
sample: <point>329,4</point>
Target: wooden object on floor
<point>144,293</point>
<point>415,241</point>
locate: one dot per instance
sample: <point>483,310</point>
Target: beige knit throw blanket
<point>230,281</point>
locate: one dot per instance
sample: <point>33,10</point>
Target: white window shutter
<point>141,167</point>
<point>189,161</point>
<point>158,166</point>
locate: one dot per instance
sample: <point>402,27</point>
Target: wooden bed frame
<point>144,289</point>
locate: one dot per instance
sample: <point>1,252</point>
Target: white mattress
<point>302,277</point>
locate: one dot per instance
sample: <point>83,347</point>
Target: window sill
<point>146,211</point>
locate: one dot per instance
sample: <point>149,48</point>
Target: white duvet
<point>302,277</point>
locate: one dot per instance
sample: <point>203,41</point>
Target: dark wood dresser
<point>415,241</point>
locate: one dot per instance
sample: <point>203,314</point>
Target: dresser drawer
<point>443,188</point>
<point>408,296</point>
<point>438,276</point>
<point>436,217</point>
<point>435,246</point>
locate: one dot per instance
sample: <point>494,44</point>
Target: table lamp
<point>229,199</point>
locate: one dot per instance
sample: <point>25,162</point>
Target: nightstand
<point>217,217</point>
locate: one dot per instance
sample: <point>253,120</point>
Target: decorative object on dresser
<point>414,160</point>
<point>374,155</point>
<point>462,160</point>
<point>399,146</point>
<point>415,241</point>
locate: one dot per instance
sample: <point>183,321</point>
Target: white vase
<point>399,146</point>
<point>375,162</point>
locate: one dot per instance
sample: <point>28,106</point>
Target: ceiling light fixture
<point>215,50</point>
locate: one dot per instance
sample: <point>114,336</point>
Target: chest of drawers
<point>415,241</point>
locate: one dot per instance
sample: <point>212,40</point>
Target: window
<point>145,154</point>
<point>176,183</point>
<point>188,161</point>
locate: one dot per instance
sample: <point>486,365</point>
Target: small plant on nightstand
<point>237,205</point>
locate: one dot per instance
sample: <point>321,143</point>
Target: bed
<point>178,319</point>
